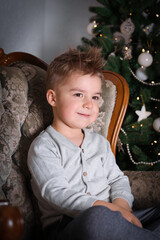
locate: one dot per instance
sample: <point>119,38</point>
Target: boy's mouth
<point>84,114</point>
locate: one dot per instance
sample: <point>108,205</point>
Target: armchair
<point>24,112</point>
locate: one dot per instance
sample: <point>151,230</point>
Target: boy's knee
<point>100,212</point>
<point>96,219</point>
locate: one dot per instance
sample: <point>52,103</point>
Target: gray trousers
<point>100,223</point>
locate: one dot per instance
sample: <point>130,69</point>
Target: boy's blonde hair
<point>74,61</point>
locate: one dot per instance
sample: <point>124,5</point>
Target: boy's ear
<point>51,97</point>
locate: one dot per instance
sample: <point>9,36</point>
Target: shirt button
<point>88,193</point>
<point>84,173</point>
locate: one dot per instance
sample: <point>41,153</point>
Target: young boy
<point>82,194</point>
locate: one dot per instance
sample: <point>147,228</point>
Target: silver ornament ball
<point>141,74</point>
<point>145,59</point>
<point>156,124</point>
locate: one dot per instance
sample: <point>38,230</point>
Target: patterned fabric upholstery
<point>145,188</point>
<point>24,112</point>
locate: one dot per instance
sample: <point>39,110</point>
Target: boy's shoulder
<point>44,137</point>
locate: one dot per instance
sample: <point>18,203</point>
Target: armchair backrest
<point>118,93</point>
<point>24,112</point>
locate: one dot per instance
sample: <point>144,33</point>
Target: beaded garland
<point>131,158</point>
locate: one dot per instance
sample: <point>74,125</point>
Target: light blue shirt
<point>67,179</point>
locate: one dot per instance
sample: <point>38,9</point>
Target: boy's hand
<point>122,203</point>
<point>125,213</point>
<point>130,217</point>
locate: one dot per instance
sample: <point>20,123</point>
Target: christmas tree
<point>128,33</point>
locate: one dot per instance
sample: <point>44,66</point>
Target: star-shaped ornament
<point>143,114</point>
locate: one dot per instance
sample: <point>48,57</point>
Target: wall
<point>45,28</point>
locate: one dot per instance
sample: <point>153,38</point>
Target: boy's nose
<point>88,103</point>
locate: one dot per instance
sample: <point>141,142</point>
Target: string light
<point>143,50</point>
<point>138,98</point>
<point>95,25</point>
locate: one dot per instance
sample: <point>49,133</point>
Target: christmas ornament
<point>145,59</point>
<point>143,114</point>
<point>127,53</point>
<point>156,124</point>
<point>148,29</point>
<point>126,28</point>
<point>90,28</point>
<point>141,74</point>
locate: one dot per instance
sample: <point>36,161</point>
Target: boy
<point>81,192</point>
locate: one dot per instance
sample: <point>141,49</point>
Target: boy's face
<point>76,101</point>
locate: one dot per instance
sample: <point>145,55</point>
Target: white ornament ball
<point>141,74</point>
<point>90,28</point>
<point>156,124</point>
<point>145,59</point>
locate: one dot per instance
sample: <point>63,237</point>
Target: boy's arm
<point>120,190</point>
<point>122,203</point>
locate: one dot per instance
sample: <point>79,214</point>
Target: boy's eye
<point>96,98</point>
<point>78,95</point>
